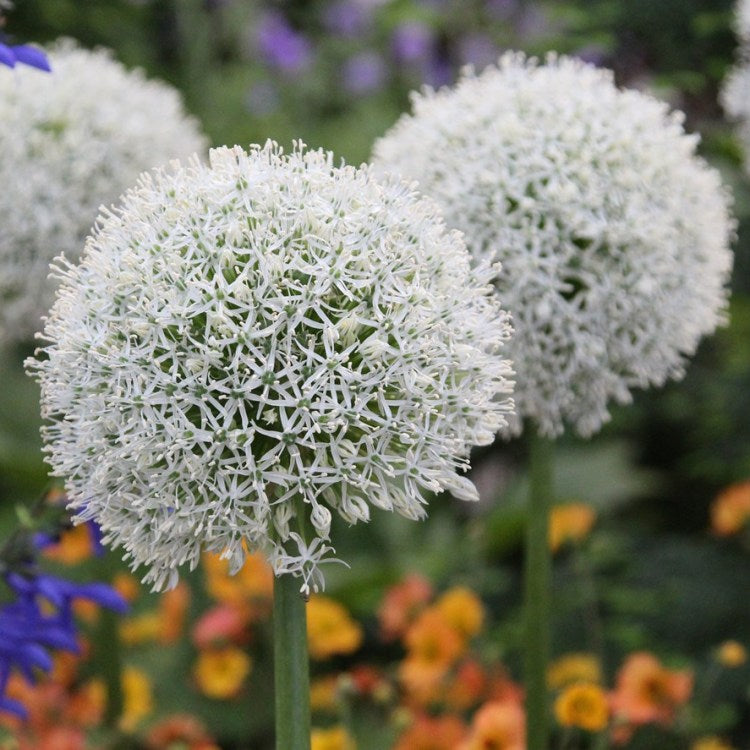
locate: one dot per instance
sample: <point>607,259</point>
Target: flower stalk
<point>538,567</point>
<point>291,665</point>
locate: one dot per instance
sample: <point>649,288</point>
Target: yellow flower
<point>140,629</point>
<point>462,610</point>
<point>573,668</point>
<point>330,628</point>
<point>138,699</point>
<point>324,693</point>
<point>710,743</point>
<point>731,654</point>
<point>336,738</point>
<point>220,672</point>
<point>582,705</point>
<point>571,522</point>
<point>251,588</point>
<point>730,510</point>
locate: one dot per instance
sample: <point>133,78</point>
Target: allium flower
<point>70,142</point>
<point>612,233</point>
<point>248,346</point>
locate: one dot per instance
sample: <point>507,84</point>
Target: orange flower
<point>86,707</point>
<point>220,672</point>
<point>75,545</point>
<point>251,588</point>
<point>467,686</point>
<point>731,654</point>
<point>570,523</point>
<point>647,692</point>
<point>173,605</point>
<point>432,733</point>
<point>127,586</point>
<point>463,610</point>
<point>497,725</point>
<point>583,705</point>
<point>401,604</point>
<point>433,646</point>
<point>330,628</point>
<point>573,668</point>
<point>179,730</point>
<point>730,510</point>
<point>432,639</point>
<point>336,738</point>
<point>502,688</point>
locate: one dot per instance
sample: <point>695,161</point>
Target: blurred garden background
<point>423,631</point>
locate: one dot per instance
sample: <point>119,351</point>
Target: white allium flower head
<point>613,235</point>
<point>735,91</point>
<point>72,140</point>
<point>251,346</point>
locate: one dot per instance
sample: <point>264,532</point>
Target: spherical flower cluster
<point>71,141</point>
<point>735,91</point>
<point>613,235</point>
<point>248,346</point>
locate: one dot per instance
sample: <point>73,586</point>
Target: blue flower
<point>26,632</point>
<point>10,55</point>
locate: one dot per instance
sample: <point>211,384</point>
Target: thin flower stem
<point>292,671</point>
<point>109,651</point>
<point>537,593</point>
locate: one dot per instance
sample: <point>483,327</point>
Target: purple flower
<point>478,50</point>
<point>438,72</point>
<point>280,45</point>
<point>26,632</point>
<point>502,9</point>
<point>363,73</point>
<point>10,55</point>
<point>346,18</point>
<point>412,41</point>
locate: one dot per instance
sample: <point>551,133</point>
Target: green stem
<point>292,671</point>
<point>537,593</point>
<point>110,665</point>
<point>108,648</point>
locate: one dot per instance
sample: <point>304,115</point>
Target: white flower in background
<point>735,92</point>
<point>613,235</point>
<point>251,346</point>
<point>71,141</point>
<point>742,20</point>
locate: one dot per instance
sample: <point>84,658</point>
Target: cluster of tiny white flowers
<point>613,235</point>
<point>735,91</point>
<point>70,141</point>
<point>248,346</point>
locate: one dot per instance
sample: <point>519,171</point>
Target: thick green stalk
<point>292,671</point>
<point>537,593</point>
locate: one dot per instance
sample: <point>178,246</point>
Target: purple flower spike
<point>25,54</point>
<point>364,73</point>
<point>31,56</point>
<point>282,46</point>
<point>346,18</point>
<point>6,56</point>
<point>412,41</point>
